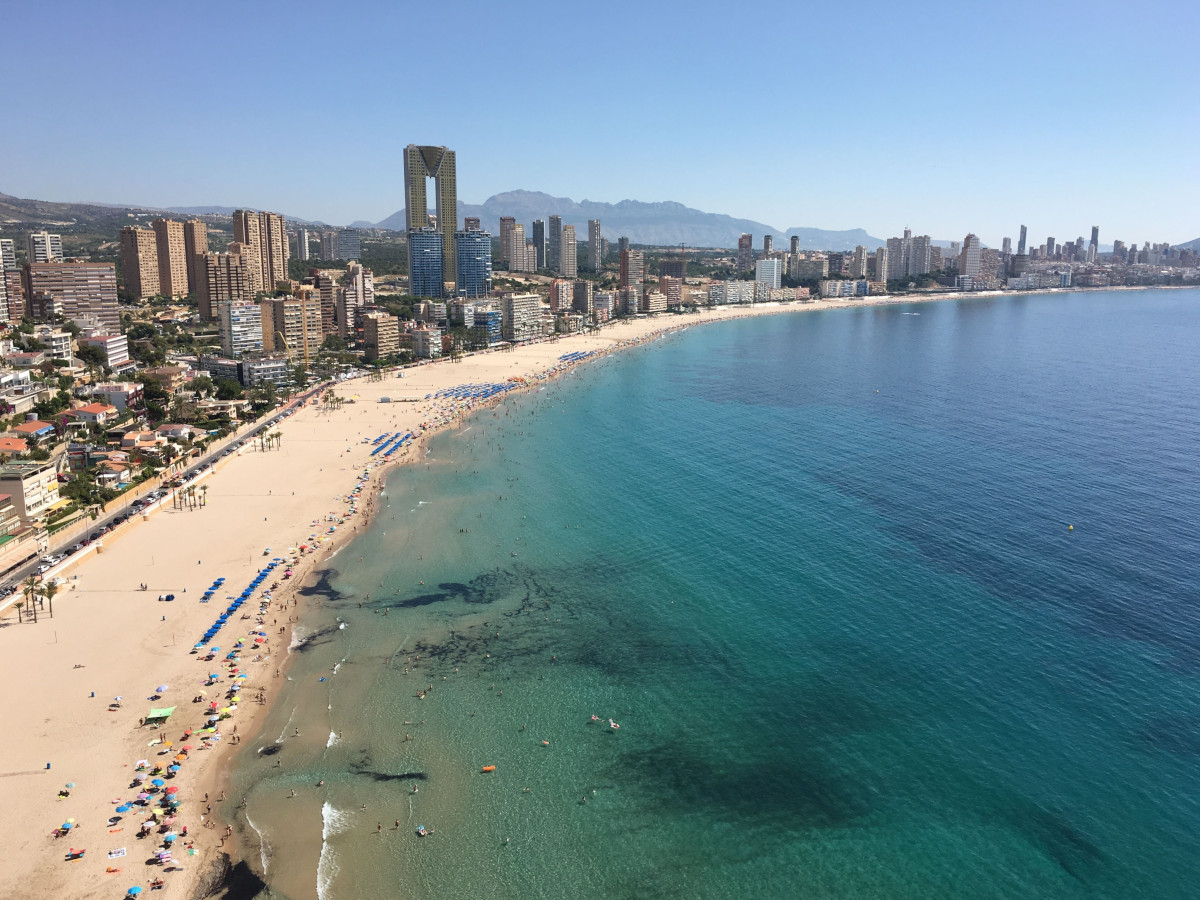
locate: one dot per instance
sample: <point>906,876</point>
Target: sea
<point>889,602</point>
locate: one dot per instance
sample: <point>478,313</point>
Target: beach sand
<point>109,638</point>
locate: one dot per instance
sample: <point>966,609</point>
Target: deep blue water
<point>818,568</point>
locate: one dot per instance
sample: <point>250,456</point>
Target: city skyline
<point>984,152</point>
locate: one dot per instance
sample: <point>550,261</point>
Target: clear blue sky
<point>948,117</point>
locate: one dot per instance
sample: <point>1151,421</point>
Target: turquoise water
<point>818,569</point>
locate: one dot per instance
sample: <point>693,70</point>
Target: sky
<point>943,117</point>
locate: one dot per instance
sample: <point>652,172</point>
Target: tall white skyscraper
<point>769,271</point>
<point>567,250</point>
<point>858,265</point>
<point>8,254</point>
<point>595,249</point>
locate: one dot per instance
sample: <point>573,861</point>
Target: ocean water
<point>818,568</point>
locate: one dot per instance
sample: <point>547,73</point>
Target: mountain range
<point>657,224</point>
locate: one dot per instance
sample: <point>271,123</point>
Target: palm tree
<point>203,493</point>
<point>49,589</point>
<point>278,436</point>
<point>29,587</point>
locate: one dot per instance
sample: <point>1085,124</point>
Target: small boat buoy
<point>489,768</point>
<point>1070,528</point>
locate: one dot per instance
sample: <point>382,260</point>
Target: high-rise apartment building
<point>520,316</point>
<point>474,263</point>
<point>264,235</point>
<point>581,299</point>
<point>554,244</point>
<point>195,245</point>
<point>426,262</point>
<point>358,290</point>
<point>8,254</point>
<point>622,244</point>
<point>1051,246</point>
<point>437,163</point>
<point>569,269</point>
<point>41,246</point>
<point>858,263</point>
<point>795,244</point>
<point>222,278</point>
<point>329,245</point>
<point>1094,244</point>
<point>768,244</point>
<point>1006,246</point>
<point>909,256</point>
<point>292,323</point>
<point>381,335</point>
<point>471,223</point>
<point>507,226</point>
<point>172,257</point>
<point>969,259</point>
<point>139,262</point>
<point>882,265</point>
<point>768,271</point>
<point>1021,242</point>
<point>595,250</point>
<point>632,270</point>
<point>80,291</point>
<point>745,257</point>
<point>241,327</point>
<point>349,244</point>
<point>539,242</point>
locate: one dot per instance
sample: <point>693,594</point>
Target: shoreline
<point>101,623</point>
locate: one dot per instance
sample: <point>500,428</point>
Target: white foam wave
<point>264,849</point>
<point>333,739</point>
<point>287,725</point>
<point>299,635</point>
<point>333,821</point>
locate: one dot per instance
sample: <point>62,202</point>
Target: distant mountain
<point>658,224</point>
<point>42,212</point>
<point>1194,246</point>
<point>230,210</point>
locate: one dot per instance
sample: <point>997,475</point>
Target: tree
<point>228,389</point>
<point>333,342</point>
<point>49,589</point>
<point>278,437</point>
<point>202,385</point>
<point>29,587</point>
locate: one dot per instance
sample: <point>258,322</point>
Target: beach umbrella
<point>124,808</point>
<point>140,776</point>
<point>134,891</point>
<point>187,747</point>
<point>172,769</point>
<point>172,790</point>
<point>67,826</point>
<point>161,688</point>
<point>169,837</point>
<point>158,782</point>
<point>143,796</point>
<point>70,784</point>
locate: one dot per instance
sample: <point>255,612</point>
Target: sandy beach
<point>108,638</point>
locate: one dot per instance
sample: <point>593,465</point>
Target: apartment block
<point>83,292</point>
<point>139,262</point>
<point>223,278</point>
<point>172,257</point>
<point>195,245</point>
<point>381,335</point>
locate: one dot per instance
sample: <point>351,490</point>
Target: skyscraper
<point>41,246</point>
<point>968,260</point>
<point>438,163</point>
<point>632,270</point>
<point>858,266</point>
<point>427,265</point>
<point>595,253</point>
<point>795,243</point>
<point>474,250</point>
<point>302,244</point>
<point>8,254</point>
<point>172,257</point>
<point>264,235</point>
<point>882,265</point>
<point>1006,246</point>
<point>554,244</point>
<point>1050,246</point>
<point>349,244</point>
<point>622,244</point>
<point>195,245</point>
<point>745,257</point>
<point>471,223</point>
<point>539,242</point>
<point>1021,242</point>
<point>222,278</point>
<point>139,261</point>
<point>507,224</point>
<point>1094,244</point>
<point>569,249</point>
<point>241,327</point>
<point>768,244</point>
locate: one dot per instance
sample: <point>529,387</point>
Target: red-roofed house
<point>94,413</point>
<point>13,445</point>
<point>34,429</point>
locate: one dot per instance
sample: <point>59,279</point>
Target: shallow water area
<point>817,569</point>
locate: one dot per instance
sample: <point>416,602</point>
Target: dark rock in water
<point>227,880</point>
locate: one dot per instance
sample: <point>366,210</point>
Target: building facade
<point>426,262</point>
<point>595,246</point>
<point>172,257</point>
<point>83,292</point>
<point>474,263</point>
<point>568,249</point>
<point>139,262</point>
<point>195,245</point>
<point>438,163</point>
<point>241,327</point>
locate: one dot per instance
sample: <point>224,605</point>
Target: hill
<point>659,224</point>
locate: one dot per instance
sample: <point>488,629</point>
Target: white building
<point>768,271</point>
<point>44,247</point>
<point>521,317</point>
<point>240,324</point>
